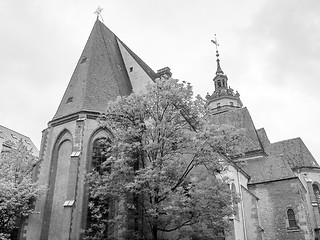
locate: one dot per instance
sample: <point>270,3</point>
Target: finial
<point>215,42</point>
<point>98,13</point>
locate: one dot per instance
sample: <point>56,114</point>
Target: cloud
<point>285,36</point>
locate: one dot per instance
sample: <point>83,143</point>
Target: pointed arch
<point>98,134</point>
<point>58,175</point>
<point>316,189</point>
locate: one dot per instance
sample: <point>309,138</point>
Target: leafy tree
<point>162,175</point>
<point>17,190</point>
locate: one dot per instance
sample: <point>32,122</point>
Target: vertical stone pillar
<point>70,203</point>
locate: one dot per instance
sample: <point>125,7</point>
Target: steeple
<point>107,68</point>
<point>219,70</point>
<point>223,97</point>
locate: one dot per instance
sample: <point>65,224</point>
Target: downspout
<point>242,207</point>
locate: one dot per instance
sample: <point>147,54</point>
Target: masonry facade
<point>278,183</point>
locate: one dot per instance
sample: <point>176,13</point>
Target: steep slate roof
<point>146,68</point>
<point>283,158</point>
<point>294,152</point>
<point>266,169</point>
<point>240,119</point>
<point>100,75</point>
<point>7,134</point>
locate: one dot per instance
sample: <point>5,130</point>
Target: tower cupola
<point>223,97</point>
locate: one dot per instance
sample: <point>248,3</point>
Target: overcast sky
<point>270,50</point>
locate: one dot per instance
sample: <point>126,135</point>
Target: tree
<point>161,177</point>
<point>17,190</point>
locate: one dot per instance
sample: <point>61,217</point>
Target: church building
<point>278,183</point>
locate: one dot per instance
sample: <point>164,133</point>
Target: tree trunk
<point>154,232</point>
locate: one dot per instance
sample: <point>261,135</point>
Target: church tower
<point>223,97</point>
<point>107,68</point>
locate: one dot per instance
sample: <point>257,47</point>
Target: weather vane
<point>215,42</point>
<point>98,13</point>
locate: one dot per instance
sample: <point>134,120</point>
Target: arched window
<point>100,153</point>
<point>291,218</point>
<point>315,189</point>
<point>99,209</point>
<point>316,192</point>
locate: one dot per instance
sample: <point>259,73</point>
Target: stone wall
<point>252,225</point>
<point>275,199</point>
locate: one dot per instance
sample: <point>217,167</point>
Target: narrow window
<point>70,99</point>
<point>235,205</point>
<point>219,83</point>
<point>99,209</point>
<point>100,153</point>
<point>316,192</point>
<point>83,60</point>
<point>291,219</point>
<point>131,69</point>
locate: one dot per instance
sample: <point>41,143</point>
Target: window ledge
<point>293,229</point>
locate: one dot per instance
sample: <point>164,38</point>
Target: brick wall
<point>275,199</point>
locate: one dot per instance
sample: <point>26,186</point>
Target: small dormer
<point>223,97</point>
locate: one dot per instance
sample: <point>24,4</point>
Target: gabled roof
<point>293,151</point>
<point>267,169</point>
<point>100,74</point>
<point>7,134</point>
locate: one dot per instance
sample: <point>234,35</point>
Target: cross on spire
<point>98,12</point>
<point>215,42</point>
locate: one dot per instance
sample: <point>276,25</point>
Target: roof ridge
<point>88,67</point>
<point>15,132</point>
<point>286,140</point>
<point>108,53</point>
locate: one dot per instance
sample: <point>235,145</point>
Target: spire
<point>219,69</point>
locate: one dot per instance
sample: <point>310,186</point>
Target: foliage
<point>17,190</point>
<point>162,177</point>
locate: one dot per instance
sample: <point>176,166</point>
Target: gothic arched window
<point>99,209</point>
<point>291,218</point>
<point>100,153</point>
<point>315,190</point>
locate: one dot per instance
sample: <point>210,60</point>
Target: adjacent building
<point>7,135</point>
